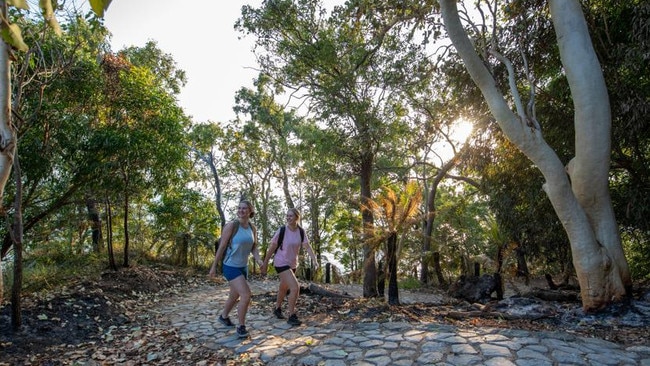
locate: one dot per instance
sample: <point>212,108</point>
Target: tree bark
<point>109,236</point>
<point>17,236</point>
<point>315,226</point>
<point>391,253</point>
<point>585,208</point>
<point>7,132</point>
<point>369,263</point>
<point>589,170</point>
<point>431,216</point>
<point>438,269</point>
<point>95,224</point>
<point>125,262</point>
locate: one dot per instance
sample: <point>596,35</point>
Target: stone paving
<point>274,342</point>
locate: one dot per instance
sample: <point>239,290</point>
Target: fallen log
<point>553,295</point>
<point>462,315</point>
<point>318,290</point>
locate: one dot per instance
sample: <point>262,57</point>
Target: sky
<point>201,38</point>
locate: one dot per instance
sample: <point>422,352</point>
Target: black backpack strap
<point>254,229</point>
<point>234,231</point>
<point>302,234</point>
<point>280,238</point>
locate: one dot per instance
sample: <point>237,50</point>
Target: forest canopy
<point>367,146</point>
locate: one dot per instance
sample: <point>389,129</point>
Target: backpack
<point>281,236</point>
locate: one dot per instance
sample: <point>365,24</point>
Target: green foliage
<point>53,268</point>
<point>636,244</point>
<point>108,126</point>
<point>409,283</point>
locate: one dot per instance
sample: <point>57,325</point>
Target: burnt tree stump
<point>475,289</point>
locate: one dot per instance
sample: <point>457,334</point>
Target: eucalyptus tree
<point>462,218</point>
<point>184,225</point>
<point>252,170</point>
<point>620,30</point>
<point>270,122</point>
<point>55,87</point>
<point>521,209</point>
<point>56,101</point>
<point>583,203</point>
<point>12,38</point>
<point>329,189</point>
<point>202,139</point>
<point>140,140</point>
<point>353,69</point>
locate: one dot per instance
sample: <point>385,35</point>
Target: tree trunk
<point>285,184</point>
<point>109,236</point>
<point>522,266</point>
<point>584,208</point>
<point>183,247</point>
<point>431,216</point>
<point>315,227</point>
<point>381,278</point>
<point>95,224</point>
<point>17,234</point>
<point>438,268</point>
<point>126,229</point>
<point>6,129</point>
<point>7,132</point>
<point>369,263</point>
<point>209,159</point>
<point>391,254</point>
<point>589,170</point>
<point>2,287</point>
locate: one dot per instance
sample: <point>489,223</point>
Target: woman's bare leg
<point>291,282</point>
<point>239,289</point>
<point>282,292</point>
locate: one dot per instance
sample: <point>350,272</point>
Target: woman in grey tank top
<point>241,238</point>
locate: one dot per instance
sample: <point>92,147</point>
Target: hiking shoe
<point>278,313</point>
<point>242,332</point>
<point>225,321</point>
<point>293,320</point>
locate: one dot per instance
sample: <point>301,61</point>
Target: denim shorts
<point>233,272</point>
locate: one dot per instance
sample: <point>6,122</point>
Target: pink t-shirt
<point>288,255</point>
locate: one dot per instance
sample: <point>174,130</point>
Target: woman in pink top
<point>286,262</point>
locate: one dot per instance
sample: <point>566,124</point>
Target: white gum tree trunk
<point>583,203</point>
<point>7,136</point>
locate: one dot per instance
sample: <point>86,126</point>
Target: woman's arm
<point>311,253</point>
<point>269,253</point>
<point>227,231</point>
<point>223,242</point>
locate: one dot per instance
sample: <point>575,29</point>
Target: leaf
<point>48,15</point>
<point>20,4</point>
<point>99,6</point>
<point>11,34</point>
<point>42,317</point>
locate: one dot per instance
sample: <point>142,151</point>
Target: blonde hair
<point>250,207</point>
<point>295,212</point>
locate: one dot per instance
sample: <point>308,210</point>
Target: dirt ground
<point>103,317</point>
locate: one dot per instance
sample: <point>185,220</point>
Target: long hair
<point>251,208</point>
